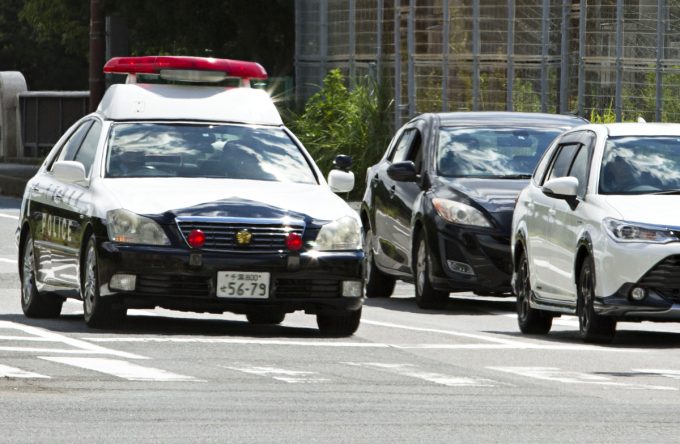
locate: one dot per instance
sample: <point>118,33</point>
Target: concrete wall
<point>11,84</point>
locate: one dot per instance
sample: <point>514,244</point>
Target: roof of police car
<point>642,129</point>
<point>186,102</point>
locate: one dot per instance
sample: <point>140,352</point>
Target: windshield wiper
<point>674,191</point>
<point>512,176</point>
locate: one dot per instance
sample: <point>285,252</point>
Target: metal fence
<point>595,58</point>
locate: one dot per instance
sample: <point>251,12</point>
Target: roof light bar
<point>161,64</point>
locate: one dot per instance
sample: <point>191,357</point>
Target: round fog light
<point>638,293</point>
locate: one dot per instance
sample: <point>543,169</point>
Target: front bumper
<point>182,279</point>
<point>486,252</point>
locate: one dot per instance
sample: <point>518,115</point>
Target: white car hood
<point>647,208</point>
<point>159,195</point>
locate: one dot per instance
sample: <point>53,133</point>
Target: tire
<point>267,318</point>
<point>33,303</point>
<point>345,324</point>
<point>530,320</point>
<point>378,284</point>
<point>592,327</point>
<point>98,312</point>
<point>426,296</point>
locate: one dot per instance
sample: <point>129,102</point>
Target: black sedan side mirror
<point>403,171</point>
<point>343,162</point>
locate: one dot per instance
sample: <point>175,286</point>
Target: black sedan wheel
<point>344,324</point>
<point>530,320</point>
<point>98,312</point>
<point>593,327</point>
<point>426,295</point>
<point>378,284</point>
<point>33,303</point>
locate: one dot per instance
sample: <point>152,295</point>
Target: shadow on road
<point>457,304</point>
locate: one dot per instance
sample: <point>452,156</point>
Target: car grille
<point>174,285</point>
<point>306,288</point>
<point>665,278</point>
<point>268,236</point>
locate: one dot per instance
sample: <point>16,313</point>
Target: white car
<point>190,196</point>
<point>597,231</point>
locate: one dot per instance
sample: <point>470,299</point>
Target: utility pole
<point>97,48</point>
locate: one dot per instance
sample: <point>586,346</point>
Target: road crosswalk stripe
<point>13,372</point>
<point>411,371</point>
<point>121,369</point>
<point>280,374</point>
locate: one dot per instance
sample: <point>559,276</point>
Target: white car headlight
<point>130,228</point>
<point>459,213</point>
<point>341,234</point>
<point>622,231</point>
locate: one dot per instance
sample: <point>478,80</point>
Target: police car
<point>184,190</point>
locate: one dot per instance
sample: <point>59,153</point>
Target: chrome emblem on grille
<point>244,237</point>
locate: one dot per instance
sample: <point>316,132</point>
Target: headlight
<point>130,228</point>
<point>622,231</point>
<point>342,234</point>
<point>459,213</point>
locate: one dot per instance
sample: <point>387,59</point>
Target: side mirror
<point>342,162</point>
<point>69,171</point>
<point>561,187</point>
<point>403,171</point>
<point>341,181</point>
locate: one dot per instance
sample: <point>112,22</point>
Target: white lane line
<point>7,260</point>
<point>241,341</point>
<point>280,374</point>
<point>121,369</point>
<point>566,320</point>
<point>54,337</point>
<point>673,374</point>
<point>25,338</point>
<point>437,378</point>
<point>554,374</point>
<point>9,216</point>
<point>13,372</point>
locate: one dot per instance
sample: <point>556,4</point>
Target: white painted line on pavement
<point>280,374</point>
<point>12,372</point>
<point>673,374</point>
<point>240,341</point>
<point>8,261</point>
<point>410,371</point>
<point>54,337</point>
<point>555,374</point>
<point>121,369</point>
<point>569,321</point>
<point>9,216</point>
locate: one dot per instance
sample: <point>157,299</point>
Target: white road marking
<point>49,336</point>
<point>555,374</point>
<point>241,341</point>
<point>9,216</point>
<point>121,369</point>
<point>566,320</point>
<point>12,372</point>
<point>280,374</point>
<point>437,378</point>
<point>673,374</point>
<point>7,260</point>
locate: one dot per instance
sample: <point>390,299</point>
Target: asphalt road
<point>463,374</point>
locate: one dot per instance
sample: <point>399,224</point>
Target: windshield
<point>492,151</point>
<point>640,165</point>
<point>213,151</point>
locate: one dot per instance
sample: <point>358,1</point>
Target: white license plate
<point>240,284</point>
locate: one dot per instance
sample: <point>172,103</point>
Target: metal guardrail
<point>45,115</point>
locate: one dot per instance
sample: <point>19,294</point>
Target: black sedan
<point>438,206</point>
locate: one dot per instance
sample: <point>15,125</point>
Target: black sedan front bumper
<point>182,279</point>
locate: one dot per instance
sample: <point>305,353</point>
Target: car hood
<point>647,208</point>
<point>494,195</point>
<point>226,198</point>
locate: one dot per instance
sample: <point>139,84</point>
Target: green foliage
<point>337,120</point>
<point>606,115</point>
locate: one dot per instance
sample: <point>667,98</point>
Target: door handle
<point>530,205</point>
<point>35,188</point>
<point>552,212</point>
<point>58,196</point>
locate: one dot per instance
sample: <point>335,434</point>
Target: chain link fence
<point>595,58</point>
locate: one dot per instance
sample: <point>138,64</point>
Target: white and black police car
<point>184,190</point>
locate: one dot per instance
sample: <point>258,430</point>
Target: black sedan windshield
<point>213,151</point>
<point>491,151</point>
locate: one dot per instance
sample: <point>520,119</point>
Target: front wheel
<point>33,303</point>
<point>592,327</point>
<point>530,320</point>
<point>426,295</point>
<point>345,324</point>
<point>98,312</point>
<point>378,284</point>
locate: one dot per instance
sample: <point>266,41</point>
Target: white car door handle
<point>530,205</point>
<point>552,212</point>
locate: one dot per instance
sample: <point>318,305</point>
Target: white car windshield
<point>211,151</point>
<point>641,165</point>
<point>491,151</point>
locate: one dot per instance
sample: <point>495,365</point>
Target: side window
<point>415,153</point>
<point>542,166</point>
<point>579,170</point>
<point>68,151</point>
<point>403,145</point>
<point>88,148</point>
<point>563,160</point>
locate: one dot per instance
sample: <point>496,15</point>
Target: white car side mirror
<point>69,171</point>
<point>563,187</point>
<point>341,181</point>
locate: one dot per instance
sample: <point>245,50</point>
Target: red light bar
<point>154,65</point>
